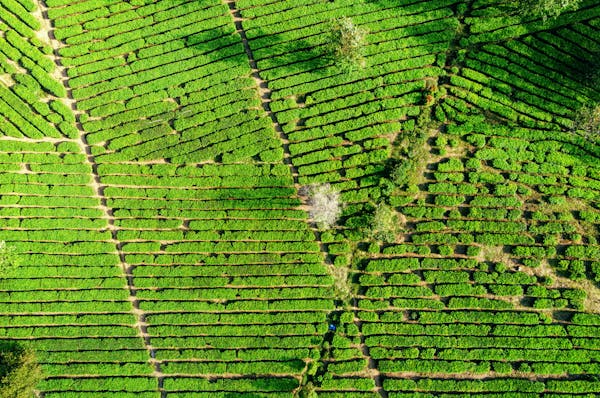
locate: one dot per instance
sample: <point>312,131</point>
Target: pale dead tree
<point>324,204</point>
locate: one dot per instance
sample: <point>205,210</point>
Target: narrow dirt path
<point>364,349</point>
<point>265,97</point>
<point>263,90</point>
<point>6,80</point>
<point>98,187</point>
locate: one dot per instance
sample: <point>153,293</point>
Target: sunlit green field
<point>154,156</point>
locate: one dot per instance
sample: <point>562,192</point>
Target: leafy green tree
<point>383,223</point>
<point>347,44</point>
<point>307,391</point>
<point>403,173</point>
<point>546,8</point>
<point>19,371</point>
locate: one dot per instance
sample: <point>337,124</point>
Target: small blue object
<point>332,327</point>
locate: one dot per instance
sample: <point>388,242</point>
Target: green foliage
<point>383,223</point>
<point>9,259</point>
<point>307,391</point>
<point>19,371</point>
<point>404,172</point>
<point>547,8</point>
<point>347,44</point>
<point>587,120</point>
<point>227,272</point>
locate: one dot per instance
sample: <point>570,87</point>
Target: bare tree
<point>324,205</point>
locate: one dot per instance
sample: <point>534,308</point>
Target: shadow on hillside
<point>243,395</point>
<point>588,73</point>
<point>268,385</point>
<point>269,51</point>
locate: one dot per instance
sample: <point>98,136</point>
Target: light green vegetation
<point>164,248</point>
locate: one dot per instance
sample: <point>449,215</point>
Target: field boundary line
<point>372,367</point>
<point>265,98</point>
<point>96,184</point>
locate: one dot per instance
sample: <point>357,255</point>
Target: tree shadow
<point>297,56</point>
<point>9,352</point>
<point>588,72</point>
<point>268,385</point>
<point>218,98</point>
<point>221,54</point>
<point>244,395</point>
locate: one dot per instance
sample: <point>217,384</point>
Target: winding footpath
<point>96,184</point>
<point>265,97</point>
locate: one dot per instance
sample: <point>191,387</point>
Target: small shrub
<point>473,251</point>
<point>373,248</point>
<point>587,120</point>
<point>502,367</point>
<point>307,391</point>
<point>500,268</point>
<point>383,222</point>
<point>341,261</point>
<point>444,250</point>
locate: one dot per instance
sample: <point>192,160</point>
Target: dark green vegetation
<point>151,159</point>
<point>19,371</point>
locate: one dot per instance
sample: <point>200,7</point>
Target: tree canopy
<point>546,8</point>
<point>347,43</point>
<point>19,371</point>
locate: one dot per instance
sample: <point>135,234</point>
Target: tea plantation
<point>154,160</point>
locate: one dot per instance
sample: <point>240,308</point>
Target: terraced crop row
<point>340,126</point>
<point>226,281</point>
<point>163,80</point>
<point>537,79</point>
<point>226,271</point>
<point>67,299</point>
<point>477,300</point>
<point>470,291</point>
<point>30,104</point>
<point>492,197</point>
<point>165,249</point>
